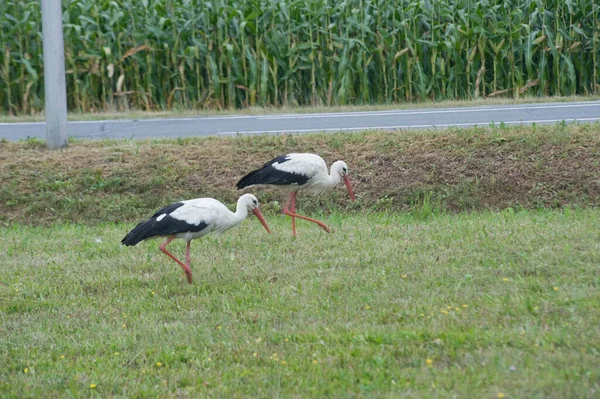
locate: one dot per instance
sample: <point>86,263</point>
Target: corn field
<point>192,54</point>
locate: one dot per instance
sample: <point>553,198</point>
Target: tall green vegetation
<point>166,54</point>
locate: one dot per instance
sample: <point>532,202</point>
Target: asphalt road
<point>526,114</point>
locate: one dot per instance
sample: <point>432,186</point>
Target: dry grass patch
<point>454,170</point>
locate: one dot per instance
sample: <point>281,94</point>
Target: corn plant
<point>192,54</point>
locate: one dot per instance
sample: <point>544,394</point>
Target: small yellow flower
<point>449,307</point>
<point>62,356</point>
<point>93,386</point>
<point>274,355</point>
<point>500,395</point>
<point>504,279</point>
<point>124,326</point>
<point>457,309</point>
<point>444,311</point>
<point>286,340</point>
<point>283,362</point>
<point>404,276</point>
<point>144,371</point>
<point>429,362</point>
<point>152,292</point>
<point>208,359</point>
<point>218,327</point>
<point>555,288</point>
<point>68,317</point>
<point>26,370</point>
<point>368,307</point>
<point>255,354</point>
<point>422,315</point>
<point>159,364</point>
<point>116,353</point>
<point>315,361</point>
<point>465,306</point>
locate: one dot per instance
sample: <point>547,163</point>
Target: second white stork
<point>192,219</point>
<point>299,172</point>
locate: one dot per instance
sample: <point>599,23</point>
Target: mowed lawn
<point>483,305</point>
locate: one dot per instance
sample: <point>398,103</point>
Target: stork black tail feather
<point>139,233</point>
<point>266,174</point>
<point>249,180</point>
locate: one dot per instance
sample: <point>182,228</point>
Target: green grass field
<point>480,305</point>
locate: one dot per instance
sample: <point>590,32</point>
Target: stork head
<point>340,168</point>
<point>250,202</point>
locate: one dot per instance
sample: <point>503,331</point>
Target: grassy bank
<point>454,170</point>
<point>502,304</point>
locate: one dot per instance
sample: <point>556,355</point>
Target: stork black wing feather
<point>166,226</point>
<point>268,174</point>
<point>168,209</point>
<point>279,159</point>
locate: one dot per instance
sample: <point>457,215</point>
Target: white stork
<point>299,172</point>
<point>192,219</point>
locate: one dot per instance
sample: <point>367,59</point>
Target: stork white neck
<point>231,219</point>
<point>241,211</point>
<point>338,169</point>
<point>334,177</point>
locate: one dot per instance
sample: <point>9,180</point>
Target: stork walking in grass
<point>299,172</point>
<point>192,219</point>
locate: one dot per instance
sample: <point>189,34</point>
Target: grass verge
<point>484,305</point>
<point>453,170</point>
<point>139,114</point>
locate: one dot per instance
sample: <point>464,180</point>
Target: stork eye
<point>255,202</point>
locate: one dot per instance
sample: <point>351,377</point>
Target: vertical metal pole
<point>54,74</point>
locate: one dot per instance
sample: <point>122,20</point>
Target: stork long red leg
<point>290,206</point>
<point>186,268</point>
<point>188,260</point>
<point>321,224</point>
<point>292,212</point>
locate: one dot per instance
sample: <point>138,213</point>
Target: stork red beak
<point>261,218</point>
<point>349,187</point>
